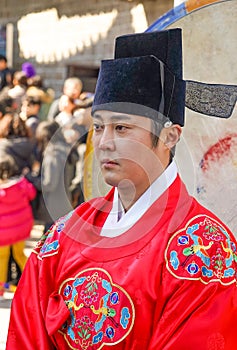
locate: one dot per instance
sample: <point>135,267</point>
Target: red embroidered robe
<point>168,283</point>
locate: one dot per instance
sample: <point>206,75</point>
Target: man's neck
<point>118,221</point>
<point>130,193</point>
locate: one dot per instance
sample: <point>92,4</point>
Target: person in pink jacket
<point>16,218</point>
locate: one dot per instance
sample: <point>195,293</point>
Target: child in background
<point>16,219</point>
<point>18,91</point>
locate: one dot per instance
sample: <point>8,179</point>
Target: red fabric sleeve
<point>197,317</point>
<point>30,189</point>
<point>27,329</point>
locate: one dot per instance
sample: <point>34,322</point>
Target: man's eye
<point>120,127</point>
<point>97,127</point>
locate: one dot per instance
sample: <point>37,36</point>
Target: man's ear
<point>171,135</point>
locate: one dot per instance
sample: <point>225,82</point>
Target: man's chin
<point>111,181</point>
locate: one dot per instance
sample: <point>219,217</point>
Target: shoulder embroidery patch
<point>49,243</point>
<point>101,312</point>
<point>203,250</point>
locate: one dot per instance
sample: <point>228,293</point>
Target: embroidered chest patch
<point>204,251</point>
<point>101,312</point>
<point>48,245</point>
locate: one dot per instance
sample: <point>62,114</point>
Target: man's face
<point>72,90</point>
<point>124,149</point>
<point>3,65</point>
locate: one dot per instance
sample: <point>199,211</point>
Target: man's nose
<point>107,140</point>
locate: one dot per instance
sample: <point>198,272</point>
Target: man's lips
<point>108,162</point>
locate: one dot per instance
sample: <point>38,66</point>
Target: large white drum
<point>207,152</point>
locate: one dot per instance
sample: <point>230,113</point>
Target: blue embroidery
<point>206,272</point>
<point>97,338</point>
<point>114,298</point>
<point>182,240</point>
<point>192,268</point>
<point>79,281</point>
<point>110,332</point>
<point>49,247</point>
<point>198,248</point>
<point>60,224</point>
<point>60,227</point>
<point>125,315</point>
<point>229,261</point>
<point>100,311</point>
<point>229,273</point>
<point>107,286</point>
<point>174,259</point>
<point>209,254</point>
<point>192,228</point>
<point>49,242</point>
<point>67,290</point>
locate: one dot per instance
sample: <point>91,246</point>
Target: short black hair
<point>33,100</point>
<point>156,128</point>
<point>3,58</point>
<point>8,167</point>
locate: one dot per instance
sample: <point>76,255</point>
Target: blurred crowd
<point>42,145</point>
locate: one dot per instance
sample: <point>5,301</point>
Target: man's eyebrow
<point>113,117</point>
<point>120,117</point>
<point>97,116</point>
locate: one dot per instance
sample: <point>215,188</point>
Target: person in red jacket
<point>145,267</point>
<point>16,219</point>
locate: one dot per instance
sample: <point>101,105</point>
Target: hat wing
<point>217,100</point>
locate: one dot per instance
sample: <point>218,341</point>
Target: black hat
<point>166,45</point>
<point>145,78</point>
<point>137,85</point>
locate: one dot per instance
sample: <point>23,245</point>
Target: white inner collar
<point>118,221</point>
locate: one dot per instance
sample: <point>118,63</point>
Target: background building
<point>69,37</point>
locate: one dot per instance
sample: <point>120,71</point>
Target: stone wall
<point>57,35</point>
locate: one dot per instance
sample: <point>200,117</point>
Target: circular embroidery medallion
<point>203,250</point>
<point>101,312</point>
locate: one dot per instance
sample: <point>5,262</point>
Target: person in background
<point>55,172</point>
<point>16,218</point>
<point>71,130</point>
<point>6,102</point>
<point>66,106</point>
<point>16,140</point>
<point>82,112</point>
<point>29,69</point>
<point>74,122</point>
<point>6,77</point>
<point>5,73</point>
<point>37,89</point>
<point>146,267</point>
<point>30,109</point>
<point>72,88</point>
<point>18,91</point>
<point>82,116</point>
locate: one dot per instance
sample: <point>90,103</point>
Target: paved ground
<point>4,320</point>
<point>5,301</point>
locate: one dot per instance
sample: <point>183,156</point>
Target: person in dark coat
<point>15,139</point>
<point>56,170</point>
<point>5,73</point>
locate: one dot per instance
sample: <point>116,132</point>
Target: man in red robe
<point>146,267</point>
